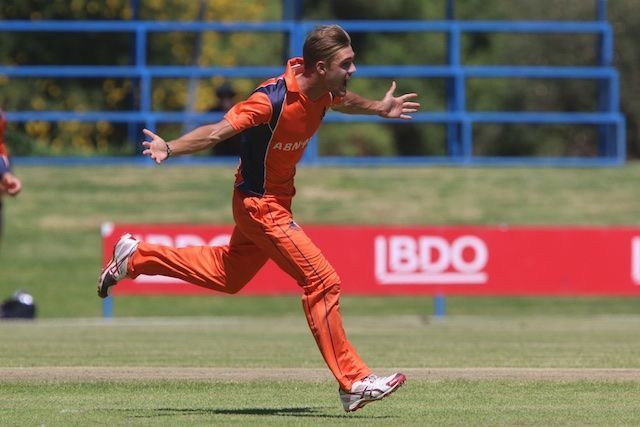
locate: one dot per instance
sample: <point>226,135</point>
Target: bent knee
<point>232,290</point>
<point>326,284</point>
<point>229,287</point>
<point>224,285</point>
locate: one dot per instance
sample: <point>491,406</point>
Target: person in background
<point>226,99</point>
<point>9,183</point>
<point>276,123</point>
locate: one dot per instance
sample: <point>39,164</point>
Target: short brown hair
<point>323,43</point>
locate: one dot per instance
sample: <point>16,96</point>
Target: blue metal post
<point>604,50</point>
<point>107,308</point>
<point>292,12</point>
<point>453,84</point>
<point>134,129</point>
<point>145,77</point>
<point>310,156</point>
<point>439,306</point>
<point>145,97</point>
<point>621,140</point>
<point>298,34</point>
<point>467,141</point>
<point>601,10</point>
<point>450,10</point>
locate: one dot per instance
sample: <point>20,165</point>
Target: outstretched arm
<point>390,106</point>
<point>198,139</point>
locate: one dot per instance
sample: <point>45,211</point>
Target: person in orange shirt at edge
<point>9,183</point>
<point>275,123</point>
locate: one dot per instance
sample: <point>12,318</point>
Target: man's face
<point>339,71</point>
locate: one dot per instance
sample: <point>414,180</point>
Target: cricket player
<point>275,124</point>
<point>9,183</point>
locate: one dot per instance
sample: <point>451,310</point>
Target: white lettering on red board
<point>430,260</point>
<point>183,240</point>
<point>635,260</point>
<point>177,241</point>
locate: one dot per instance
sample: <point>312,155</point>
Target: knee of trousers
<point>229,285</point>
<point>329,282</point>
<point>233,288</point>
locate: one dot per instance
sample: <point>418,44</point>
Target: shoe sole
<point>400,379</point>
<point>103,291</point>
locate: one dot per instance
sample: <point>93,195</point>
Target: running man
<point>275,124</point>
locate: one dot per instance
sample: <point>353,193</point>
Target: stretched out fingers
<point>408,96</point>
<point>148,133</point>
<point>392,88</point>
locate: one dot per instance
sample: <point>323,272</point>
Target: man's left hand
<point>398,106</point>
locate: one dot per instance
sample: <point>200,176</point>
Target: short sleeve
<point>4,164</point>
<point>255,111</point>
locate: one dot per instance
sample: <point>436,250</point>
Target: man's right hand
<point>10,184</point>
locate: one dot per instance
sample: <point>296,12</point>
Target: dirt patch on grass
<point>119,373</point>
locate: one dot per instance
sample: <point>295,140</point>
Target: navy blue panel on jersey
<point>254,142</point>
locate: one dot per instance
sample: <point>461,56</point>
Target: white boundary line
<point>133,373</point>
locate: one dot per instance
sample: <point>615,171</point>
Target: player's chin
<point>341,91</point>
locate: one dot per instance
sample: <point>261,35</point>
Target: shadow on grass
<point>277,412</point>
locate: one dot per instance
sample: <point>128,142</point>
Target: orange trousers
<point>265,230</point>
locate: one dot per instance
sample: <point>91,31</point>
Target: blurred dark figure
<point>226,99</point>
<point>9,183</point>
<point>19,306</point>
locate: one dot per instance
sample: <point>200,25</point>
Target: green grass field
<point>244,360</point>
<point>247,370</point>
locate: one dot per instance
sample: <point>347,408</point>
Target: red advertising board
<point>429,260</point>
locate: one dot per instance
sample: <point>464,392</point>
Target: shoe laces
<point>370,378</point>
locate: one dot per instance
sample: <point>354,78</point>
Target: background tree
<point>116,94</point>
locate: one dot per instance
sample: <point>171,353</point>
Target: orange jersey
<point>276,123</point>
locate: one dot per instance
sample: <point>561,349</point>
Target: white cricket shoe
<point>369,389</point>
<point>116,269</point>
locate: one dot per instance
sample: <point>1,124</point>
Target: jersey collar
<point>295,66</point>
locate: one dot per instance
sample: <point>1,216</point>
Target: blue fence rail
<point>458,119</point>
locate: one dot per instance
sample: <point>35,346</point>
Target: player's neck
<point>310,86</point>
